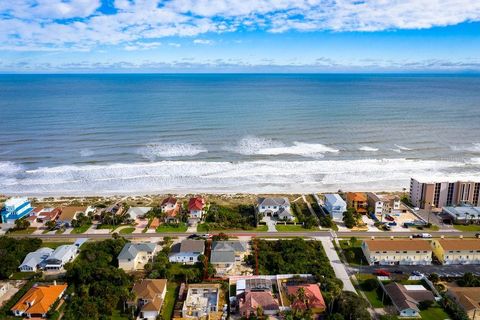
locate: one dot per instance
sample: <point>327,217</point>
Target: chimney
<point>373,237</point>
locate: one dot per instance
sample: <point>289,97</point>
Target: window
<point>404,251</point>
<point>418,251</point>
<point>191,258</point>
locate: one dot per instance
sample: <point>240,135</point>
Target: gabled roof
<point>169,200</point>
<point>312,293</point>
<point>334,199</point>
<point>407,299</point>
<point>197,203</point>
<point>237,246</point>
<point>68,213</point>
<point>147,289</point>
<point>460,244</point>
<point>39,299</point>
<point>398,245</point>
<point>35,258</point>
<point>273,201</point>
<point>131,250</point>
<point>135,212</point>
<point>254,299</point>
<point>222,257</point>
<point>192,246</point>
<point>468,297</point>
<point>63,253</point>
<point>356,196</point>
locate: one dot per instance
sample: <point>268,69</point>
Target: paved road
<point>338,267</point>
<point>320,233</point>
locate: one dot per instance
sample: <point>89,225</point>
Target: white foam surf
<point>251,145</point>
<point>154,151</point>
<point>227,177</point>
<point>86,153</point>
<point>368,149</point>
<point>473,148</point>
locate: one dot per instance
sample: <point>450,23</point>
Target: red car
<point>389,218</point>
<point>381,273</point>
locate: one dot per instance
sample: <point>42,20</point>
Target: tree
<point>434,277</point>
<point>22,224</point>
<point>425,304</point>
<point>50,224</point>
<point>352,306</point>
<point>220,237</point>
<point>353,241</point>
<point>349,219</point>
<point>370,284</point>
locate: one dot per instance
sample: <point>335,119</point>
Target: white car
<point>426,235</point>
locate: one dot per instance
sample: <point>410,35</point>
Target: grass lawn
<point>373,296</point>
<point>126,230</point>
<point>357,258</point>
<point>169,303</point>
<point>22,275</point>
<point>118,316</point>
<point>182,227</point>
<point>261,228</point>
<point>468,227</point>
<point>54,244</point>
<point>29,230</point>
<point>60,231</point>
<point>107,226</point>
<point>292,228</point>
<point>434,313</point>
<point>81,229</point>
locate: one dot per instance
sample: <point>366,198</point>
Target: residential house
<point>47,214</point>
<point>149,296</point>
<point>134,256</point>
<point>171,208</point>
<point>60,256</point>
<point>335,206</point>
<point>278,208</point>
<point>34,260</point>
<point>358,201</point>
<point>196,208</point>
<point>313,298</point>
<point>69,214</point>
<point>406,298</point>
<point>435,195</point>
<point>187,251</point>
<point>461,215</point>
<point>202,301</point>
<point>116,209</point>
<point>138,212</point>
<point>403,252</point>
<point>38,300</point>
<point>383,204</point>
<point>468,298</point>
<point>225,254</point>
<point>155,223</point>
<point>457,251</point>
<point>14,209</point>
<point>254,294</point>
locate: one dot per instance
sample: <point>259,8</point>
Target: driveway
<point>270,224</point>
<point>337,265</point>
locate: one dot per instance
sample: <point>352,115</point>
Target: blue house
<point>335,205</point>
<point>14,209</point>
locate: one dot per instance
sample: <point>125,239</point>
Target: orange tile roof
<point>155,223</point>
<point>397,245</point>
<point>312,293</point>
<point>356,196</point>
<point>39,299</point>
<point>460,244</point>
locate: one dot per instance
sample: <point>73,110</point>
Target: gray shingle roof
<point>273,202</point>
<point>192,246</point>
<point>222,257</point>
<point>130,250</point>
<point>35,258</point>
<point>237,246</point>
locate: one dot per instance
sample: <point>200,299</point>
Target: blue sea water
<point>146,133</point>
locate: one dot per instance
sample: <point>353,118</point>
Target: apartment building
<point>440,194</point>
<point>457,251</point>
<point>401,252</point>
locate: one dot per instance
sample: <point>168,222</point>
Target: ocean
<point>228,133</point>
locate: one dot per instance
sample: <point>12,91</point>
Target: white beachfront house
<point>275,207</point>
<point>335,206</point>
<point>14,209</point>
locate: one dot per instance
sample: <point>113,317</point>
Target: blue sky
<point>239,36</point>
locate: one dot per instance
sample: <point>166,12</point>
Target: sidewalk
<point>337,265</point>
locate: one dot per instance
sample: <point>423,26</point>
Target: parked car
<point>193,236</point>
<point>393,223</point>
<point>389,217</point>
<point>477,235</point>
<point>421,235</point>
<point>381,273</point>
<point>426,235</point>
<point>205,236</point>
<point>416,273</point>
<point>398,271</point>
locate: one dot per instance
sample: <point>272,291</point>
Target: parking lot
<point>448,271</point>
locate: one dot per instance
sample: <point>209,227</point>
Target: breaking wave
<point>368,149</point>
<point>251,145</point>
<point>227,177</point>
<point>154,151</point>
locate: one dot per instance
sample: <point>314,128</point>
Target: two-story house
<point>134,256</point>
<point>187,251</point>
<point>457,251</point>
<point>392,252</point>
<point>278,208</point>
<point>149,296</point>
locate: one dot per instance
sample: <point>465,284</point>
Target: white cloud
<point>174,44</point>
<point>202,41</point>
<point>35,25</point>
